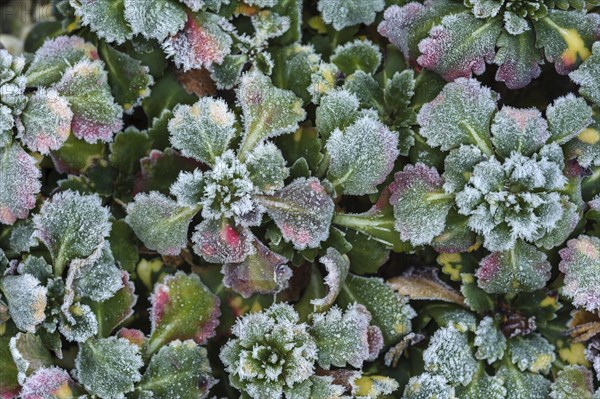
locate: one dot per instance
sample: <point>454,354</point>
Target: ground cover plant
<point>301,199</point>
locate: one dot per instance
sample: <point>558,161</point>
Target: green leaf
<point>182,308</point>
<point>573,381</point>
<point>366,255</point>
<point>337,110</point>
<point>156,20</point>
<point>268,111</point>
<point>9,385</point>
<point>129,79</point>
<point>460,114</point>
<point>113,311</point>
<point>449,354</point>
<point>187,368</point>
<point>482,386</point>
<point>586,145</point>
<point>518,59</point>
<point>521,130</point>
<point>267,168</point>
<point>489,340</point>
<point>167,92</point>
<point>337,267</point>
<point>29,354</point>
<point>100,279</point>
<point>160,170</point>
<point>72,226</point>
<point>532,353</point>
<point>293,67</point>
<point>357,55</point>
<point>76,156</point>
<point>108,367</point>
<point>566,38</point>
<point>427,386</point>
<point>123,245</point>
<point>105,18</point>
<point>342,14</point>
<point>390,312</point>
<point>160,222</point>
<point>304,146</point>
<point>588,76</point>
<point>522,268</point>
<point>567,117</point>
<point>581,265</point>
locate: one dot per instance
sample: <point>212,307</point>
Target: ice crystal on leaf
<point>156,20</point>
<point>532,352</point>
<point>588,75</point>
<point>428,386</point>
<point>342,14</point>
<point>357,55</point>
<point>202,131</point>
<point>219,241</point>
<point>271,354</point>
<point>361,156</point>
<point>449,355</point>
<point>337,266</point>
<point>573,380</point>
<point>188,188</point>
<point>267,168</point>
<point>105,17</point>
<point>78,323</point>
<point>489,340</point>
<point>48,383</point>
<point>520,130</point>
<point>101,279</point>
<point>12,91</point>
<point>523,384</point>
<point>338,109</point>
<point>27,300</point>
<point>108,367</point>
<point>567,117</point>
<point>581,266</point>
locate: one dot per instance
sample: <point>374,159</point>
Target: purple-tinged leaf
<point>49,383</point>
<point>520,130</point>
<point>220,241</point>
<point>420,203</point>
<point>460,114</point>
<point>521,269</point>
<point>581,266</point>
<point>19,184</point>
<point>182,308</point>
<point>96,116</point>
<point>460,46</point>
<point>160,222</point>
<point>200,44</point>
<point>45,121</point>
<point>54,57</point>
<point>361,156</point>
<point>262,272</point>
<point>337,267</point>
<point>518,59</point>
<point>302,210</point>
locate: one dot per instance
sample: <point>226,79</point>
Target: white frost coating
<point>533,353</point>
<point>449,354</point>
<point>188,188</point>
<point>520,130</point>
<point>27,300</point>
<point>337,267</point>
<point>362,156</point>
<point>157,19</point>
<point>581,266</point>
<point>101,280</point>
<point>489,340</point>
<point>337,109</point>
<point>204,130</point>
<point>363,54</point>
<point>45,382</point>
<point>567,117</point>
<point>104,18</point>
<point>588,75</point>
<point>267,167</point>
<point>343,13</point>
<point>428,386</point>
<point>83,324</point>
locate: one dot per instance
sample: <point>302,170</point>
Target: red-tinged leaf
<point>49,383</point>
<point>302,211</point>
<point>581,266</point>
<point>518,59</point>
<point>262,272</point>
<point>19,184</point>
<point>182,308</point>
<point>219,241</point>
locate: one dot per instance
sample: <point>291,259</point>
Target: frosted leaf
<point>459,165</point>
<point>489,340</point>
<point>520,130</point>
<point>460,46</point>
<point>46,121</point>
<point>268,111</point>
<point>424,284</point>
<point>267,168</point>
<point>302,210</point>
<point>27,300</point>
<point>96,116</point>
<point>323,387</point>
<point>204,130</point>
<point>101,279</point>
<point>19,185</point>
<point>523,384</point>
<point>390,312</point>
<point>79,324</point>
<point>115,310</point>
<point>573,381</point>
<point>357,55</point>
<point>219,241</point>
<point>449,354</point>
<point>227,74</point>
<point>161,223</point>
<point>337,267</point>
<point>21,237</point>
<point>522,269</point>
<point>483,386</point>
<point>588,76</point>
<point>518,59</point>
<point>592,355</point>
<point>263,272</point>
<point>182,308</point>
<point>268,25</point>
<point>567,117</point>
<point>72,226</point>
<point>201,43</point>
<point>29,354</point>
<point>55,56</point>
<point>48,383</point>
<point>158,19</point>
<point>586,146</point>
<point>485,8</point>
<point>189,188</point>
<point>460,114</point>
<point>186,364</point>
<point>261,3</point>
<point>271,351</point>
<point>337,110</point>
<point>417,196</point>
<point>566,37</point>
<point>362,156</point>
<point>373,386</point>
<point>581,265</point>
<point>345,337</point>
<point>105,18</point>
<point>532,353</point>
<point>563,227</point>
<point>344,13</point>
<point>324,81</point>
<point>108,367</point>
<point>428,386</point>
<point>228,192</point>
